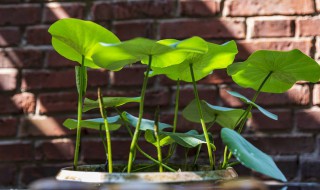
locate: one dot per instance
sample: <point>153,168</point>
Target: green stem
<point>156,134</point>
<point>197,154</point>
<point>81,92</point>
<point>103,142</point>
<point>203,124</point>
<point>106,125</point>
<point>137,129</point>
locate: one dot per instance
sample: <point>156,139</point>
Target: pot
<point>91,174</point>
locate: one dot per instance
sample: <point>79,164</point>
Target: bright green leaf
<point>217,57</point>
<point>249,155</point>
<point>225,117</point>
<point>108,102</point>
<point>164,139</point>
<point>286,68</point>
<point>73,38</point>
<point>247,101</point>
<point>145,123</point>
<point>114,123</point>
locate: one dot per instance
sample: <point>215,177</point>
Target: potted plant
<point>188,60</point>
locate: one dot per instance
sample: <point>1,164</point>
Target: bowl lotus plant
<point>188,60</point>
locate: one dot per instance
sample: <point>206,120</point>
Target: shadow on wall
<point>38,87</point>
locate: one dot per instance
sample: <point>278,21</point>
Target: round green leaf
<point>114,123</point>
<point>164,139</point>
<point>108,102</point>
<point>225,117</point>
<point>286,68</point>
<point>145,123</point>
<point>249,155</point>
<point>73,38</point>
<point>217,57</point>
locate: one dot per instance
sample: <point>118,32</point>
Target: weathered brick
<point>271,7</point>
<point>21,57</point>
<point>157,98</point>
<point>17,103</point>
<point>55,11</point>
<point>8,175</point>
<point>206,28</point>
<point>54,60</point>
<point>44,126</point>
<point>10,36</point>
<point>302,144</point>
<point>288,165</point>
<point>187,95</point>
<point>248,47</point>
<point>310,169</point>
<point>101,10</point>
<point>8,127</point>
<point>261,122</point>
<point>8,79</point>
<point>307,26</point>
<point>273,28</point>
<point>129,76</point>
<point>34,172</point>
<point>143,9</point>
<point>199,8</point>
<point>58,102</point>
<point>20,14</point>
<point>16,151</point>
<point>126,30</point>
<point>56,149</point>
<point>308,119</point>
<point>38,35</point>
<point>316,94</point>
<point>297,95</point>
<point>217,77</point>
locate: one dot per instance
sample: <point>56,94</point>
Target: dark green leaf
<point>114,123</point>
<point>225,117</point>
<point>73,38</point>
<point>109,102</point>
<point>249,155</point>
<point>287,67</point>
<point>246,100</point>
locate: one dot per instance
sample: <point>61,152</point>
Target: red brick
<point>17,103</point>
<point>205,93</point>
<point>8,127</point>
<point>44,126</point>
<point>21,57</point>
<point>126,30</point>
<point>248,47</point>
<point>273,28</point>
<point>101,11</point>
<point>285,145</point>
<point>143,9</point>
<point>56,11</point>
<point>316,95</point>
<point>54,60</point>
<point>20,14</point>
<point>217,77</point>
<point>260,122</point>
<point>16,151</point>
<point>308,119</point>
<point>310,167</point>
<point>199,8</point>
<point>288,165</point>
<point>271,7</point>
<point>8,175</point>
<point>8,79</point>
<point>63,102</point>
<point>130,76</point>
<point>38,35</point>
<point>307,26</point>
<point>297,95</point>
<point>157,98</point>
<point>206,28</point>
<point>32,173</point>
<point>10,36</point>
<point>57,149</point>
<point>120,149</point>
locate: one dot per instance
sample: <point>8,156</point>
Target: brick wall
<point>37,86</point>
